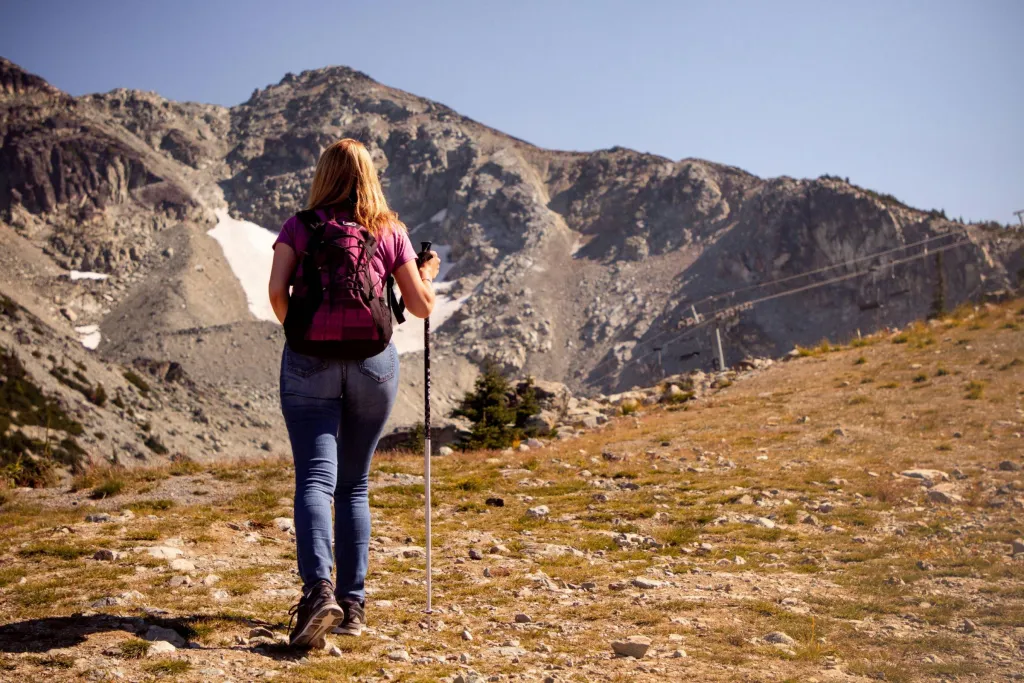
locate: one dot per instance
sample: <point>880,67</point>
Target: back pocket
<point>381,367</point>
<point>303,365</point>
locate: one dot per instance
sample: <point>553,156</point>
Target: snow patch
<point>249,250</point>
<point>82,275</point>
<point>439,217</point>
<point>408,337</point>
<point>90,336</point>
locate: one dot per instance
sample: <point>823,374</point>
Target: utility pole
<point>721,356</point>
<point>1020,216</point>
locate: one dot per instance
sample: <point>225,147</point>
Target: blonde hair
<point>345,174</point>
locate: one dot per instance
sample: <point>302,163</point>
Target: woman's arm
<point>280,275</point>
<point>416,285</point>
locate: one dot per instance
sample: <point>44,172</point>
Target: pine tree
<point>492,409</point>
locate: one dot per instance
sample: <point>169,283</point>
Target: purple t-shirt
<point>394,249</point>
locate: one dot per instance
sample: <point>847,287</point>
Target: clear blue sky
<point>923,99</point>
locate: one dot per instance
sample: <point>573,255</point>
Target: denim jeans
<point>335,411</point>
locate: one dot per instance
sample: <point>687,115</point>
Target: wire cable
<point>711,317</point>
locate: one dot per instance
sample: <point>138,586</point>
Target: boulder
<point>542,423</point>
<point>633,646</point>
<point>552,396</point>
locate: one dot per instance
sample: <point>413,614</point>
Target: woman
<point>336,409</point>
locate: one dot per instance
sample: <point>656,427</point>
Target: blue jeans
<point>335,411</point>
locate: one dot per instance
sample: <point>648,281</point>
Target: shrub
<point>416,441</point>
<point>134,648</point>
<point>154,444</point>
<point>974,390</point>
<point>139,383</point>
<point>497,412</point>
<point>109,487</point>
<point>182,465</point>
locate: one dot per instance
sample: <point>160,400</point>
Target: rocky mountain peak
<point>16,81</point>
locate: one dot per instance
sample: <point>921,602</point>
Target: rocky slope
<point>850,516</point>
<point>578,267</point>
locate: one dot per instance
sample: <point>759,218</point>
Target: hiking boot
<point>315,615</point>
<point>355,618</point>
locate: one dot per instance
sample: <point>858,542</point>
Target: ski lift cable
<point>823,269</point>
<point>792,277</point>
<point>711,317</point>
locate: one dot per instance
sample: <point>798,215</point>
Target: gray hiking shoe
<point>354,620</point>
<point>315,615</point>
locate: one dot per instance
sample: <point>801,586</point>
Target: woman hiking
<point>330,287</point>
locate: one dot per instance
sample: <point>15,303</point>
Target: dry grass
<point>847,587</point>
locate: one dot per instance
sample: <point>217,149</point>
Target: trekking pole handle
<point>424,254</point>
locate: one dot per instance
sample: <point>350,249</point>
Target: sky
<point>921,99</point>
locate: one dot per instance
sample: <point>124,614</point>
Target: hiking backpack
<point>335,311</point>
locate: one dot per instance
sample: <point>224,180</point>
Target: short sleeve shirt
<point>394,250</point>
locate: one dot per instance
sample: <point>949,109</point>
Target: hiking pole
<point>423,258</point>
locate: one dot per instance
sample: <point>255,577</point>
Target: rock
<point>474,554</point>
<point>466,634</point>
<point>98,517</point>
<point>925,566</point>
<point>647,584</point>
<point>210,579</point>
<point>633,646</point>
<point>412,552</point>
<point>538,512</point>
<point>543,423</point>
<point>779,638</point>
<point>939,495</point>
<point>763,522</point>
<point>399,656</point>
<point>1017,546</point>
<point>495,502</point>
<point>261,632</point>
<point>523,618</point>
<point>285,524</point>
<point>69,314</point>
<point>220,595</point>
<point>182,565</point>
<point>809,519</point>
<point>160,647</point>
<point>929,477</point>
<point>179,582</point>
<point>164,552</point>
<point>445,450</point>
<point>968,626</point>
<point>839,431</point>
<point>1010,466</point>
<point>156,633</point>
<point>535,443</point>
<point>105,555</point>
<point>334,651</point>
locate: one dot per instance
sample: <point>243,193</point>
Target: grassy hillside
<point>763,533</point>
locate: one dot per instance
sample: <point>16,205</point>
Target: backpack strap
<point>299,318</point>
<point>397,305</point>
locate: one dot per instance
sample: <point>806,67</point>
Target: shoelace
<point>292,613</point>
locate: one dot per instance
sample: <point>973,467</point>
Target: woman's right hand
<point>431,267</point>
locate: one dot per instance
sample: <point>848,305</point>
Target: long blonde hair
<point>345,174</point>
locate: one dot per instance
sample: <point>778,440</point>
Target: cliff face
<point>576,267</point>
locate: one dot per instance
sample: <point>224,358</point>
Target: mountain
<point>584,268</point>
